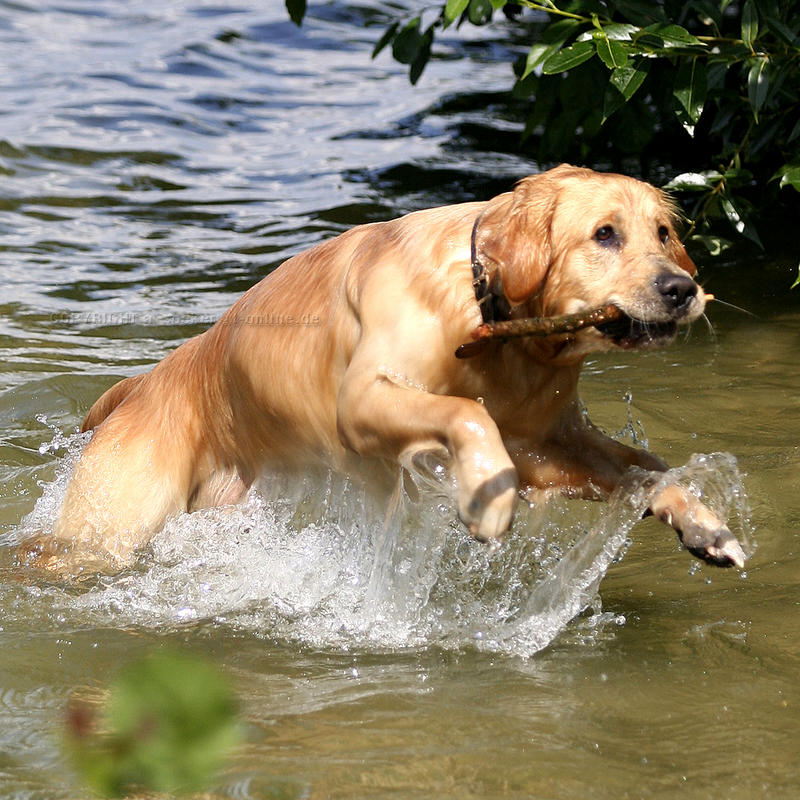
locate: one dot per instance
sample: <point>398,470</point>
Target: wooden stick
<point>536,326</point>
<point>540,326</point>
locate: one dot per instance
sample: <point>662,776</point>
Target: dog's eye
<point>663,234</point>
<point>605,234</point>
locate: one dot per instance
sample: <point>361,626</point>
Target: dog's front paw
<point>703,534</point>
<point>487,510</point>
<point>717,545</point>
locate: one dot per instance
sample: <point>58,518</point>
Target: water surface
<point>156,161</point>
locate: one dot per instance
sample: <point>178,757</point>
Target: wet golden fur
<point>344,357</point>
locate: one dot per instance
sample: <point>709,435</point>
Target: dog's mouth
<point>628,332</point>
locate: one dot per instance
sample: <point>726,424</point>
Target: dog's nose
<point>677,291</point>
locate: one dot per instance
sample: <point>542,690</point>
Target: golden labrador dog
<point>344,356</point>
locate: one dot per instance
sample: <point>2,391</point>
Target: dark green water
<point>158,159</point>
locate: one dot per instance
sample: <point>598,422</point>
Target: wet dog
<point>344,357</point>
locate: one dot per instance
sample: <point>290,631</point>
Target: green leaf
<point>790,176</point>
<point>297,10</point>
<point>536,55</point>
<point>622,86</point>
<point>789,36</point>
<point>620,31</point>
<point>453,10</point>
<point>544,108</point>
<point>715,75</point>
<point>669,35</point>
<point>738,214</point>
<point>612,53</point>
<point>612,101</point>
<point>406,45</point>
<point>554,37</point>
<point>758,79</point>
<point>629,78</point>
<point>169,726</point>
<point>690,90</point>
<point>479,11</point>
<point>387,37</point>
<point>559,32</point>
<point>716,245</point>
<point>749,23</point>
<point>423,56</point>
<point>569,57</point>
<point>736,176</point>
<point>694,181</point>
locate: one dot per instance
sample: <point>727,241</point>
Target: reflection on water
<point>156,159</point>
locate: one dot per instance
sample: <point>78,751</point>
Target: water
<point>157,161</point>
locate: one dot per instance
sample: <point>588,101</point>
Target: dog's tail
<point>109,400</point>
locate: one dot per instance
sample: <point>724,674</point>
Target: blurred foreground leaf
<point>169,724</point>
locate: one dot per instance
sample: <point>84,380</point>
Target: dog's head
<point>571,239</point>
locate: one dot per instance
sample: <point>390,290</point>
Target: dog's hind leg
<point>127,482</point>
<point>109,400</point>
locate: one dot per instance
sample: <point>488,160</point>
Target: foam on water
<point>322,562</point>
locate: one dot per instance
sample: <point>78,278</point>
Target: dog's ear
<point>675,249</point>
<point>512,238</point>
<point>678,254</point>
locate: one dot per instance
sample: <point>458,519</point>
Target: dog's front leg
<point>586,463</point>
<point>377,417</point>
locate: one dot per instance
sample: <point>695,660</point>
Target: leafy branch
<point>705,92</point>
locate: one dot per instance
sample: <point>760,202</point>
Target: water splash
<point>320,561</point>
<point>60,441</point>
<point>632,430</point>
